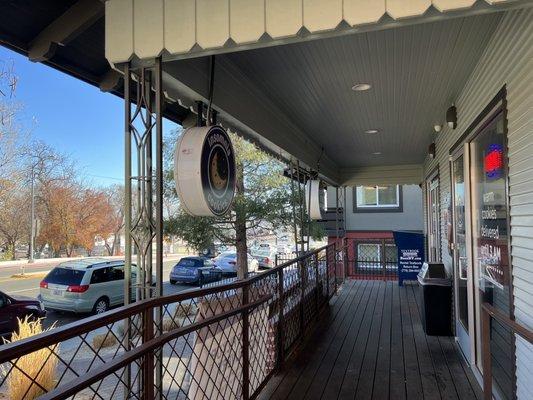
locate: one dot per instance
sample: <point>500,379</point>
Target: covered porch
<point>354,102</point>
<point>370,345</point>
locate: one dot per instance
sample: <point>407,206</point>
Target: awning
<point>184,28</point>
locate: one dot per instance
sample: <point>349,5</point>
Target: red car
<point>13,307</point>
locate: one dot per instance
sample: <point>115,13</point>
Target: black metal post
<point>303,281</point>
<point>148,359</point>
<point>199,113</point>
<point>281,321</point>
<point>317,295</point>
<point>245,346</point>
<point>328,251</point>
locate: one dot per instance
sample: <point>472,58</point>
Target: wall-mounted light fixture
<point>361,87</point>
<point>451,117</point>
<point>432,150</point>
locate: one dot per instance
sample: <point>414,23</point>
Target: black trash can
<point>436,293</point>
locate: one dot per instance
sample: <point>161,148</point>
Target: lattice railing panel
<point>218,342</point>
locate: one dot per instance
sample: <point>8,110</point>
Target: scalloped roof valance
<point>184,28</point>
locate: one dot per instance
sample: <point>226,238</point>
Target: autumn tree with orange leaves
<point>74,216</point>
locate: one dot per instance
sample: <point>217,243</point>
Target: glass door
<point>490,244</point>
<point>461,260</point>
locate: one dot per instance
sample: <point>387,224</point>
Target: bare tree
<point>14,216</point>
<point>12,132</point>
<point>115,197</point>
<point>13,197</point>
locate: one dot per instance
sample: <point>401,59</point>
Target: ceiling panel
<point>416,72</point>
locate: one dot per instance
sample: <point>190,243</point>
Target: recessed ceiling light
<point>372,131</point>
<point>377,153</point>
<point>361,87</point>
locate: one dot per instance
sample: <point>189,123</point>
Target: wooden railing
<point>223,341</point>
<point>489,312</point>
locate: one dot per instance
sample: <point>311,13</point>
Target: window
<point>116,273</point>
<point>378,255</point>
<point>100,276</point>
<point>378,198</point>
<point>368,255</point>
<point>369,252</point>
<point>65,276</point>
<point>190,263</point>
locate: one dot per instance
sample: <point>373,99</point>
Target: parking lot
<point>30,286</point>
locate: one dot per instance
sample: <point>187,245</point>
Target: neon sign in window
<point>494,161</point>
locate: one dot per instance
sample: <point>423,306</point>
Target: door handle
<point>465,277</point>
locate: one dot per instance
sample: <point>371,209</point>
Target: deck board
<point>318,366</point>
<point>370,345</point>
<point>352,374</point>
<point>333,369</point>
<point>397,366</point>
<point>281,384</point>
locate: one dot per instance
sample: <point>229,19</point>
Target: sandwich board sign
<point>410,247</point>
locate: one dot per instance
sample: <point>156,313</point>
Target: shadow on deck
<point>371,345</point>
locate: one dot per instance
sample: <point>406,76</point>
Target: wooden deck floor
<point>370,345</point>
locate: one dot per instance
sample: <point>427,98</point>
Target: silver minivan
<point>89,285</point>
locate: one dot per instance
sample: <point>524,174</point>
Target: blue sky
<point>72,116</point>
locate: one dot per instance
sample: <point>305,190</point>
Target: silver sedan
<point>227,263</point>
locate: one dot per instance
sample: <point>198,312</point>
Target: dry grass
<point>170,324</point>
<point>134,331</point>
<point>30,275</point>
<point>38,367</point>
<point>185,310</point>
<point>182,312</point>
<point>104,340</point>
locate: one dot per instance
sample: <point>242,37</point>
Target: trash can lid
<point>434,274</point>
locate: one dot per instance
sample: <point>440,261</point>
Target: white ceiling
<point>296,99</point>
<point>416,72</point>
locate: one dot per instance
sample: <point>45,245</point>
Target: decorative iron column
<point>143,209</point>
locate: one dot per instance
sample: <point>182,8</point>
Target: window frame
<point>105,270</point>
<point>376,245</point>
<point>379,208</point>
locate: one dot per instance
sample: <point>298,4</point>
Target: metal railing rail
<point>223,341</point>
<point>135,354</point>
<point>489,312</point>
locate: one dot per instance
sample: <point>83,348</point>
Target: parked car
<point>282,249</point>
<point>266,257</point>
<point>210,252</point>
<point>83,286</point>
<point>198,270</point>
<point>227,263</point>
<point>13,307</point>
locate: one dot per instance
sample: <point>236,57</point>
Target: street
<point>30,286</point>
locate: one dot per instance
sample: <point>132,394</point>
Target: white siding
<point>196,26</point>
<point>507,60</point>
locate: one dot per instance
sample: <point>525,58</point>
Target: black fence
<point>372,259</point>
